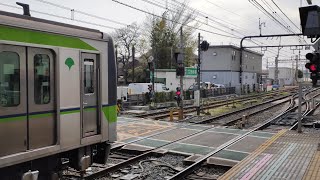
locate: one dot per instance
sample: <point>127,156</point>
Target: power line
<point>61,17</point>
<point>168,9</point>
<point>135,8</point>
<point>261,8</point>
<point>81,12</point>
<point>285,15</point>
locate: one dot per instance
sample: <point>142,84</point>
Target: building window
<point>9,79</point>
<point>41,79</point>
<point>233,55</point>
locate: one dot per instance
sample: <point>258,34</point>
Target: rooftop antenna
<point>26,9</point>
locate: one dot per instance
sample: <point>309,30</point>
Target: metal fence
<point>143,99</point>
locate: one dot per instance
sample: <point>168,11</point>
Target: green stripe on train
<point>35,37</point>
<point>110,112</point>
<point>70,112</point>
<point>24,117</point>
<point>17,118</point>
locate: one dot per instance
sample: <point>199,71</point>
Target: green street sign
<point>191,72</point>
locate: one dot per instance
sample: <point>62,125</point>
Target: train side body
<point>57,94</point>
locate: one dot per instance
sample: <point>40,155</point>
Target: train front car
<point>57,97</point>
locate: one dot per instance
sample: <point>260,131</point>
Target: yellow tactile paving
<point>313,171</point>
<point>233,171</point>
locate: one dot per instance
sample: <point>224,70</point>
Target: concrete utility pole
<point>276,71</point>
<point>296,69</point>
<point>181,77</point>
<point>299,108</point>
<point>133,54</point>
<point>198,73</point>
<point>260,25</point>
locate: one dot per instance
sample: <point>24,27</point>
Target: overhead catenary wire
<point>285,14</point>
<point>61,17</point>
<point>262,9</point>
<point>76,20</point>
<point>179,3</point>
<point>81,12</point>
<point>200,29</point>
<point>198,21</point>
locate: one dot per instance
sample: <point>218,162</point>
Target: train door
<point>27,113</point>
<point>41,98</point>
<point>89,93</point>
<point>13,102</point>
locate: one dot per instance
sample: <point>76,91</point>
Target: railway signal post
<point>202,46</point>
<point>151,68</point>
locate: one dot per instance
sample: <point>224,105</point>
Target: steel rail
<point>222,102</point>
<point>199,163</point>
<point>143,155</point>
<point>200,122</point>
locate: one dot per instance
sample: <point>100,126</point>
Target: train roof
<point>32,23</point>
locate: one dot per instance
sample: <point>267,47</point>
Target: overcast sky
<point>235,18</point>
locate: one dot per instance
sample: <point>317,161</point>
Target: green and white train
<point>57,96</point>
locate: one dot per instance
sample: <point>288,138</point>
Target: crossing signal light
<point>151,66</point>
<point>204,46</point>
<point>313,66</point>
<point>150,88</point>
<point>180,70</point>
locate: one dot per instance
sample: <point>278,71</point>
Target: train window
<point>9,79</point>
<point>88,76</point>
<point>41,79</point>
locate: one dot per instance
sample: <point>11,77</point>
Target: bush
<point>160,97</point>
<point>187,95</point>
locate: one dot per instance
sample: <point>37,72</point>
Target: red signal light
<point>313,67</point>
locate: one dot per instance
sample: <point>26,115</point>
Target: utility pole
<point>198,78</point>
<point>260,25</point>
<point>276,71</point>
<point>299,108</point>
<point>296,70</point>
<point>181,77</point>
<point>202,46</point>
<point>133,54</point>
<point>116,47</point>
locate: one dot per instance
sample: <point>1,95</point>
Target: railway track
<point>198,164</point>
<point>161,114</point>
<point>122,160</point>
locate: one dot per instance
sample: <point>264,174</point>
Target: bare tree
<point>124,39</point>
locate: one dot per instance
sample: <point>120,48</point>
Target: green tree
<point>300,74</point>
<point>164,36</point>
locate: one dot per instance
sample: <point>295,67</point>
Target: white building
<point>169,78</point>
<point>286,75</point>
<point>221,65</point>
